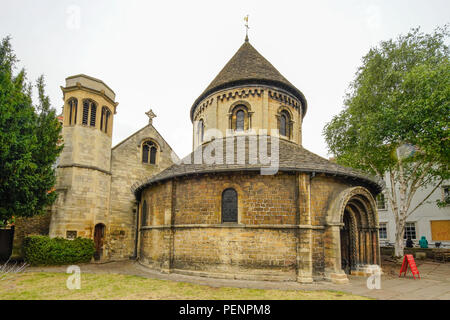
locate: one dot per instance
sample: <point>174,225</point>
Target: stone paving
<point>434,282</point>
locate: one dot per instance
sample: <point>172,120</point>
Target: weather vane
<point>246,27</point>
<point>150,116</point>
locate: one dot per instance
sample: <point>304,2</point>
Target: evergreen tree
<point>29,142</point>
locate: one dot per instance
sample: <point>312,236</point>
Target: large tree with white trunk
<point>396,119</point>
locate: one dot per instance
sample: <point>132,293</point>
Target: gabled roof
<point>248,66</point>
<point>291,158</point>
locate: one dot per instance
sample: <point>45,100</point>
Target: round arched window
<point>229,205</point>
<point>240,120</point>
<point>285,124</point>
<point>200,131</point>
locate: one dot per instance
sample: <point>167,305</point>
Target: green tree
<point>29,142</point>
<point>395,121</point>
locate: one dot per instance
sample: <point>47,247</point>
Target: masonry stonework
<point>309,219</point>
<point>94,180</point>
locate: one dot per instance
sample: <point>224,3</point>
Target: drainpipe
<point>136,238</point>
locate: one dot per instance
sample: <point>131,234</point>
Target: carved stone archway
<point>352,228</point>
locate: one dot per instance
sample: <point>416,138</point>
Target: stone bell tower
<point>84,168</point>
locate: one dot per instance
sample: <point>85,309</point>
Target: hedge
<point>41,250</point>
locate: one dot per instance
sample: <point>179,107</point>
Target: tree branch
<point>426,198</point>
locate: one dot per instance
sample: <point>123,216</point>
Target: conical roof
<point>248,66</point>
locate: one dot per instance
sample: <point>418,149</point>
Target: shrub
<point>41,250</point>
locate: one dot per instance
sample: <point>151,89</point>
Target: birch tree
<point>396,119</point>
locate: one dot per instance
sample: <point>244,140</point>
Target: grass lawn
<point>49,286</point>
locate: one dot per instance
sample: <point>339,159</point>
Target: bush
<point>41,250</point>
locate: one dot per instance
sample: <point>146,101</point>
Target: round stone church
<point>250,202</point>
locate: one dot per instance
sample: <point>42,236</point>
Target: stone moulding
<point>234,226</point>
<point>101,93</point>
<point>285,99</point>
<point>241,93</point>
<point>76,165</point>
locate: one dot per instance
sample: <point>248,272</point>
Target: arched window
<point>89,112</point>
<point>85,111</point>
<point>73,106</point>
<point>149,151</point>
<point>285,124</point>
<point>144,213</point>
<point>200,131</point>
<point>229,205</point>
<point>106,114</point>
<point>240,118</point>
<point>93,115</point>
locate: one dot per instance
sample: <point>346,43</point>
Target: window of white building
<point>446,194</point>
<point>383,231</point>
<point>381,202</point>
<point>410,230</point>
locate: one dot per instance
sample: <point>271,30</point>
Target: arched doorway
<point>346,250</point>
<point>99,235</point>
<point>359,233</point>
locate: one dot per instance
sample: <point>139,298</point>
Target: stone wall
<point>37,225</point>
<point>83,201</point>
<point>198,200</point>
<point>281,232</point>
<point>263,104</point>
<point>126,169</point>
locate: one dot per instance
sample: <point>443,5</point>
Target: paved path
<point>434,282</point>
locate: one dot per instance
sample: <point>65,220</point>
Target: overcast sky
<point>163,54</point>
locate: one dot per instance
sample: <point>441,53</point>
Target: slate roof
<point>292,158</point>
<point>248,66</point>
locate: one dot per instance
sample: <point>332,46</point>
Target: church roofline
<point>249,67</point>
<point>91,78</point>
<point>135,133</point>
<point>292,158</point>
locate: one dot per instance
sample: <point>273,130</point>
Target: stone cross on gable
<point>150,116</point>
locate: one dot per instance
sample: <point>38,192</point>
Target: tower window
<point>284,124</point>
<point>104,119</point>
<point>149,151</point>
<point>240,118</point>
<point>73,106</point>
<point>93,115</point>
<point>200,131</point>
<point>89,112</point>
<point>85,112</point>
<point>229,206</point>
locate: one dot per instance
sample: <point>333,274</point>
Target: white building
<point>428,220</point>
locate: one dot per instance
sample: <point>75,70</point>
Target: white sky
<point>163,54</point>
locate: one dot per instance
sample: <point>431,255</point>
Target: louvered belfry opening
<point>85,112</point>
<point>89,112</point>
<point>93,114</point>
<point>106,114</point>
<point>73,104</point>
